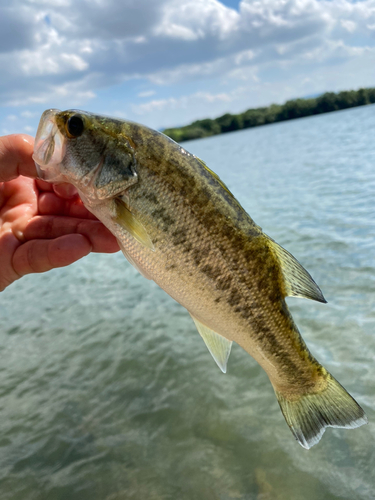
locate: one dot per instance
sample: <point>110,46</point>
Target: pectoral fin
<point>218,345</point>
<point>131,224</point>
<point>297,281</point>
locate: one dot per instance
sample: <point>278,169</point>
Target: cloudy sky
<point>167,62</point>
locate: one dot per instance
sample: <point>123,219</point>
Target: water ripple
<point>108,393</point>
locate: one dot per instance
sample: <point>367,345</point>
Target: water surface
<point>107,391</point>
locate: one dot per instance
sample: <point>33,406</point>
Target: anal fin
<point>218,345</point>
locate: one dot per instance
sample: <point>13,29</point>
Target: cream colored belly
<point>178,276</point>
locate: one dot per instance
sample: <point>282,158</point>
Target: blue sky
<point>168,62</point>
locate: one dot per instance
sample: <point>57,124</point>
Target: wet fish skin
<point>180,226</point>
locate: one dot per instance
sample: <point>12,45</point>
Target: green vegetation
<point>296,108</point>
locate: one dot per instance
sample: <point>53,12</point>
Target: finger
<point>15,157</point>
<point>50,226</point>
<point>18,191</point>
<point>44,185</point>
<point>19,203</point>
<point>39,256</point>
<point>8,246</point>
<point>66,191</point>
<point>50,204</point>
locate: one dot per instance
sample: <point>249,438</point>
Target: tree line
<point>295,108</point>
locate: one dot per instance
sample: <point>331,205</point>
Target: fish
<point>179,225</point>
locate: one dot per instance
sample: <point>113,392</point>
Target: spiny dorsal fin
<point>214,174</point>
<point>298,282</point>
<point>218,345</point>
<point>131,224</point>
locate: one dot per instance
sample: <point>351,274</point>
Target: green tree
<point>294,108</point>
<point>210,126</point>
<point>362,97</point>
<point>229,123</point>
<point>371,95</point>
<point>254,117</point>
<point>327,102</point>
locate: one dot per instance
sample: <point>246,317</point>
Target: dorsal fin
<point>214,174</point>
<point>298,282</point>
<point>218,345</point>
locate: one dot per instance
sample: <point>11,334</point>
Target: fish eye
<point>75,126</point>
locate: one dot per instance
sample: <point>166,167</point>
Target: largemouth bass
<point>179,225</point>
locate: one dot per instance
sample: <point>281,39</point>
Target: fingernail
<point>28,140</point>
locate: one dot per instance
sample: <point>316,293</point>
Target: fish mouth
<point>49,148</point>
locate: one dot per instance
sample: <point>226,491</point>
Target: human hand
<point>41,226</point>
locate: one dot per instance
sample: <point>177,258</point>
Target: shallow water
<point>107,392</point>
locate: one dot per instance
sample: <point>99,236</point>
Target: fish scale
<point>180,226</point>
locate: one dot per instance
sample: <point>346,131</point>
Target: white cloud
<point>197,19</point>
<point>37,64</point>
<point>158,105</point>
<point>244,56</point>
<point>206,96</point>
<point>57,51</point>
<point>348,25</point>
<point>285,19</point>
<point>27,114</point>
<point>180,103</point>
<point>53,94</point>
<point>146,93</point>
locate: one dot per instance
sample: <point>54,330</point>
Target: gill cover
<point>117,172</point>
<point>103,149</point>
<point>88,150</point>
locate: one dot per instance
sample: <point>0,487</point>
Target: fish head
<point>91,152</point>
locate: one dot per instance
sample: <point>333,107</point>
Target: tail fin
<point>309,415</point>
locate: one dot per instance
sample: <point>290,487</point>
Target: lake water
<point>107,391</point>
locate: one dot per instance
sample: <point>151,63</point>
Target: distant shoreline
<point>290,110</point>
